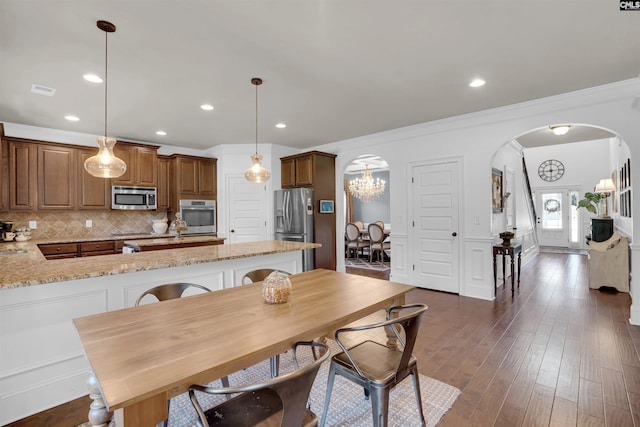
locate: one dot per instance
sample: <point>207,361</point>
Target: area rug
<point>347,406</point>
<point>361,263</point>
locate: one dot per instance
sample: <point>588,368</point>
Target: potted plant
<point>591,202</point>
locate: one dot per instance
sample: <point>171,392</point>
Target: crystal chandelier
<point>257,173</point>
<point>366,188</point>
<point>105,164</point>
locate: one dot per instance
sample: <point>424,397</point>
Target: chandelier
<point>366,188</point>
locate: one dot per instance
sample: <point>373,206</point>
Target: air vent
<point>42,90</point>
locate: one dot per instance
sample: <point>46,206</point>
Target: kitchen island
<point>41,359</point>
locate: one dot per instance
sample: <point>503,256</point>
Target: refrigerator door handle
<point>287,206</point>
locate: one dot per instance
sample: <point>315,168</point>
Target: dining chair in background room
<point>171,291</point>
<point>360,225</point>
<point>380,223</point>
<point>354,240</point>
<point>258,276</point>
<point>376,241</point>
<point>284,397</point>
<point>378,367</point>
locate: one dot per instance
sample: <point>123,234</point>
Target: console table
<point>505,251</point>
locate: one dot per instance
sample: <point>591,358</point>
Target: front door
<point>246,209</point>
<point>553,217</point>
<point>435,203</point>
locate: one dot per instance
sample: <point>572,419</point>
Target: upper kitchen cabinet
<point>56,177</point>
<point>164,183</point>
<point>22,175</point>
<point>306,169</point>
<point>93,193</point>
<point>142,164</point>
<point>192,178</point>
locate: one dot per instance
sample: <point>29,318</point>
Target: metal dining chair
<point>170,291</point>
<point>258,276</point>
<point>377,367</point>
<point>283,398</point>
<point>376,241</point>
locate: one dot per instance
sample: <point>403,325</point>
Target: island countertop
<point>31,268</point>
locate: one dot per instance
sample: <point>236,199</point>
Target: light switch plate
<point>88,223</point>
<point>33,225</point>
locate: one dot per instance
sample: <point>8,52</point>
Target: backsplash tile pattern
<point>65,224</point>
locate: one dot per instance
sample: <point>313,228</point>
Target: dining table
<point>142,356</point>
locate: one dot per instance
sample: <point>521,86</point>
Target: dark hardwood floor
<point>554,354</point>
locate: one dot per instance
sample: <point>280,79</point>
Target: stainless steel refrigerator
<point>294,220</point>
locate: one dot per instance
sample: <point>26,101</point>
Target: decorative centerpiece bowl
<point>506,237</point>
<point>276,288</point>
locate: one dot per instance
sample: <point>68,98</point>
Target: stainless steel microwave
<point>200,216</point>
<point>133,198</point>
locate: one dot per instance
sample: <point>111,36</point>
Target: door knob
<point>233,231</point>
<point>454,234</point>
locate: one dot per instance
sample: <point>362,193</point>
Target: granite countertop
<point>31,268</point>
<point>172,240</point>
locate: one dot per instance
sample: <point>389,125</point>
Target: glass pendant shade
<point>257,173</point>
<point>105,164</point>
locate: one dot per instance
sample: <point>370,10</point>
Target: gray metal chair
<point>376,241</point>
<point>260,274</point>
<point>377,367</point>
<point>283,398</point>
<point>354,239</point>
<point>170,291</point>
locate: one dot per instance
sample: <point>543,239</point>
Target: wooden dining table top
<point>162,348</point>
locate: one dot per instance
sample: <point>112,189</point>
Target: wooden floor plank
<point>564,413</point>
<point>540,405</point>
<point>591,400</point>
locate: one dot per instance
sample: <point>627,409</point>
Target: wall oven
<point>200,216</point>
<point>133,198</point>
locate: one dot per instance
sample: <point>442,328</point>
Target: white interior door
<point>553,210</point>
<point>435,196</point>
<point>247,215</point>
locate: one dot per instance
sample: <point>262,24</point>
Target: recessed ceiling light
<point>42,90</point>
<point>281,125</point>
<point>92,78</point>
<point>477,83</point>
<point>207,107</point>
<point>161,133</point>
<point>72,118</point>
<point>560,129</point>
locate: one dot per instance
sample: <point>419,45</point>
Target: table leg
<point>99,416</point>
<point>519,262</point>
<point>495,275</point>
<point>512,272</point>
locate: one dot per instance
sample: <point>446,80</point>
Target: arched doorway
<point>366,201</point>
<point>560,170</point>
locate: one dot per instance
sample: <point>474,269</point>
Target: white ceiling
<point>331,69</point>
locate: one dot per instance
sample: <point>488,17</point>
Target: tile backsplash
<point>64,224</point>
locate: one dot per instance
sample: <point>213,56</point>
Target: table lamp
<point>605,187</point>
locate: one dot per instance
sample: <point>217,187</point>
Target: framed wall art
<point>496,190</point>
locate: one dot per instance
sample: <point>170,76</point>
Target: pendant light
<point>105,164</point>
<point>257,173</point>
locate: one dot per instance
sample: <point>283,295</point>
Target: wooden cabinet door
<point>288,173</point>
<point>22,176</point>
<point>146,167</point>
<point>207,178</point>
<point>56,177</point>
<point>164,183</point>
<point>187,175</point>
<point>128,154</point>
<point>304,171</point>
<point>93,193</point>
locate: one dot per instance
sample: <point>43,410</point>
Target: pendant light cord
<point>106,80</point>
<point>256,119</point>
